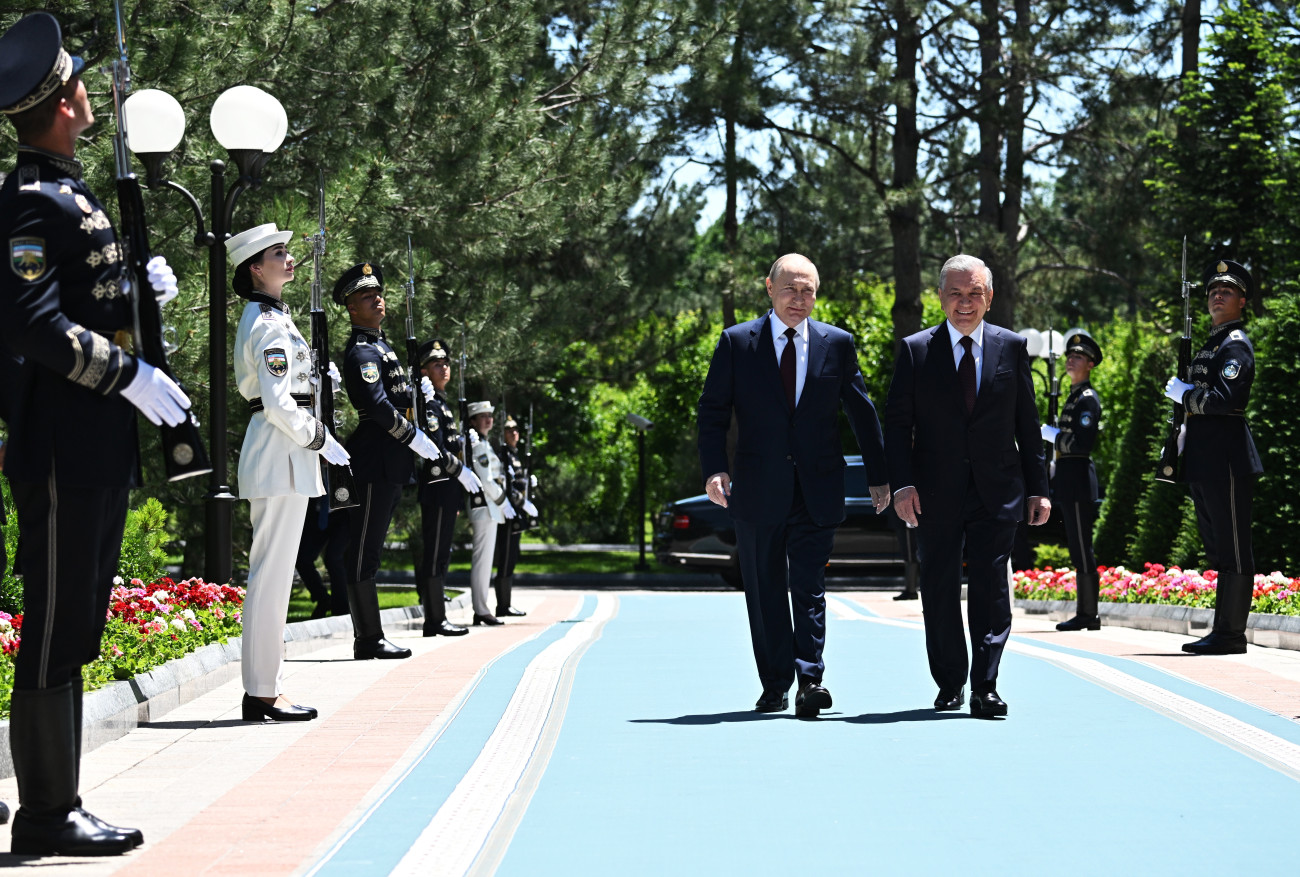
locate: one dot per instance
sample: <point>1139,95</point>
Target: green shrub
<point>143,556</point>
<point>1051,556</point>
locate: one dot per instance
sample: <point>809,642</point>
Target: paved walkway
<point>612,733</point>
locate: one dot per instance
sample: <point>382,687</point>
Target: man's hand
<point>1040,509</point>
<point>907,503</point>
<point>718,487</point>
<point>529,508</point>
<point>424,447</point>
<point>156,395</point>
<point>1182,437</point>
<point>879,497</point>
<point>1176,389</point>
<point>336,379</point>
<point>508,510</point>
<point>1049,433</point>
<point>162,279</point>
<point>334,452</point>
<point>426,387</point>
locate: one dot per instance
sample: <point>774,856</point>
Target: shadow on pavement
<point>716,718</point>
<point>194,724</point>
<point>917,715</point>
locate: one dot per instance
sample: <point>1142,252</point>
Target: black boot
<point>1088,586</point>
<point>1235,592</point>
<point>135,835</point>
<point>504,586</point>
<point>49,821</point>
<point>435,611</point>
<point>367,632</point>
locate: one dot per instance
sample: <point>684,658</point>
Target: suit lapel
<point>817,350</point>
<point>945,370</point>
<point>992,353</point>
<point>765,350</point>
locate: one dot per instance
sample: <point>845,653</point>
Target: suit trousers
<point>368,527</point>
<point>437,526</point>
<point>507,552</point>
<point>1079,515</point>
<point>71,539</point>
<point>277,526</point>
<point>480,570</point>
<point>784,565</point>
<point>1223,514</point>
<point>988,543</point>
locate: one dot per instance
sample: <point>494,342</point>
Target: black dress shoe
<point>72,835</point>
<point>772,700</point>
<point>135,835</point>
<point>1081,622</point>
<point>987,705</point>
<point>811,700</point>
<point>364,650</point>
<point>947,701</point>
<point>907,595</point>
<point>489,620</point>
<point>1217,644</point>
<point>512,612</point>
<point>445,628</point>
<point>255,710</point>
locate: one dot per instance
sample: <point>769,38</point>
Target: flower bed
<point>1275,593</point>
<point>148,625</point>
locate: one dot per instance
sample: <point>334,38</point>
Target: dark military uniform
<point>509,534</point>
<point>440,501</point>
<point>1220,463</point>
<point>72,453</point>
<point>382,463</point>
<point>62,307</point>
<point>1074,488</point>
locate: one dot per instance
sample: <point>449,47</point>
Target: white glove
<point>469,480</point>
<point>426,387</point>
<point>1176,389</point>
<point>335,377</point>
<point>509,511</point>
<point>532,480</point>
<point>162,279</point>
<point>156,395</point>
<point>425,447</point>
<point>529,508</point>
<point>1182,437</point>
<point>1049,433</point>
<point>333,452</point>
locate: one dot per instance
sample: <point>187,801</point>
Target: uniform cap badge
<point>1222,268</point>
<point>27,257</point>
<point>277,363</point>
<point>369,372</point>
<point>367,270</point>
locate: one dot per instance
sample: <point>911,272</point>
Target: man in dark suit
<point>785,377</point>
<point>962,437</point>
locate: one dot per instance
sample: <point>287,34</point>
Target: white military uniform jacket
<point>487,506</point>
<point>273,372</point>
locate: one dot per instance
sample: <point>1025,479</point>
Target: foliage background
<point>550,162</point>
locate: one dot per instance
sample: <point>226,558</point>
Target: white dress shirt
<point>800,349</point>
<point>976,349</point>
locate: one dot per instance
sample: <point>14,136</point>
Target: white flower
<point>117,580</point>
<point>188,613</point>
<point>178,624</point>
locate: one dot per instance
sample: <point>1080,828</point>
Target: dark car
<point>695,533</point>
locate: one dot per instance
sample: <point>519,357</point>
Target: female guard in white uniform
<point>279,466</point>
<point>487,510</point>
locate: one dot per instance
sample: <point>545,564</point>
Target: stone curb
<point>1271,631</point>
<point>117,709</point>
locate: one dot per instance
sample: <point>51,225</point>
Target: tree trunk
<point>1191,60</point>
<point>988,162</point>
<point>906,203</point>
<point>730,224</point>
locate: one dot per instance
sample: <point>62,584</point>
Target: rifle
<point>1168,469</point>
<point>419,413</point>
<point>530,521</point>
<point>339,486</point>
<point>1053,385</point>
<point>463,407</point>
<point>184,454</point>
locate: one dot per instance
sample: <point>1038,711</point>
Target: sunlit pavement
<point>612,732</point>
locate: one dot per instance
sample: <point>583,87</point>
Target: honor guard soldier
<point>379,389</point>
<point>1075,480</point>
<point>442,499</point>
<point>72,454</point>
<point>1219,457</point>
<point>488,510</point>
<point>510,533</point>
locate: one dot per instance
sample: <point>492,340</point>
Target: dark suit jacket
<point>772,440</point>
<point>934,446</point>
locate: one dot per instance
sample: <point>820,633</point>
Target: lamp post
<point>641,425</point>
<point>251,125</point>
